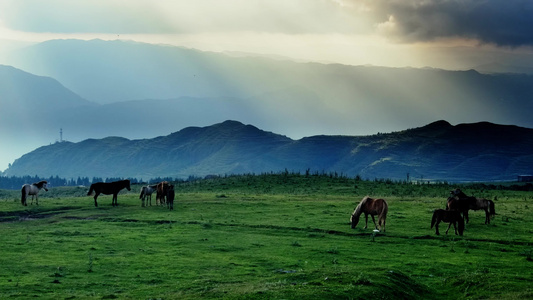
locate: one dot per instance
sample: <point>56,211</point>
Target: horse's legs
<point>437,227</point>
<point>374,220</point>
<point>454,228</point>
<point>450,225</point>
<point>366,221</point>
<point>95,197</point>
<point>487,217</point>
<point>114,200</point>
<point>465,215</point>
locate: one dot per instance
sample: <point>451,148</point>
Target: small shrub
<point>296,244</point>
<point>333,251</point>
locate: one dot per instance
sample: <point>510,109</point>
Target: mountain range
<point>438,151</point>
<point>309,98</point>
<point>96,89</point>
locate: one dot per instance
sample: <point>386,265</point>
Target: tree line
<point>16,182</point>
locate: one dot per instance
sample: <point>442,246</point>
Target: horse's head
<point>456,192</point>
<point>45,185</point>
<point>354,219</point>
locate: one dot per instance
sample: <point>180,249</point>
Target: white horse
<point>33,190</point>
<point>146,191</point>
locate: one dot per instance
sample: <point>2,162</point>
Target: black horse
<point>448,216</point>
<point>108,188</point>
<point>461,205</point>
<point>170,197</point>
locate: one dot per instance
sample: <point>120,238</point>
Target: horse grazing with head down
<point>475,204</point>
<point>372,207</point>
<point>33,190</point>
<point>448,216</point>
<point>146,192</point>
<point>108,188</point>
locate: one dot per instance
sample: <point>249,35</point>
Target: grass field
<point>263,237</point>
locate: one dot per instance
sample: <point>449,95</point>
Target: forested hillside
<point>438,151</point>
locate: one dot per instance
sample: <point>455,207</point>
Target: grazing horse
<point>170,197</point>
<point>372,207</point>
<point>33,190</point>
<point>108,188</point>
<point>162,189</point>
<point>146,192</point>
<point>448,216</point>
<point>476,204</point>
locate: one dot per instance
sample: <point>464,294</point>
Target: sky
<point>447,34</point>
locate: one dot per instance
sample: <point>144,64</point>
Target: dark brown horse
<point>454,203</point>
<point>170,197</point>
<point>372,207</point>
<point>476,204</point>
<point>33,190</point>
<point>162,190</point>
<point>448,216</point>
<point>108,188</point>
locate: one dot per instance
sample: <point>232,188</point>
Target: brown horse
<point>108,188</point>
<point>33,190</point>
<point>476,204</point>
<point>448,216</point>
<point>162,190</point>
<point>372,207</point>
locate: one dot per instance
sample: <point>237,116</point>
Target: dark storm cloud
<point>503,23</point>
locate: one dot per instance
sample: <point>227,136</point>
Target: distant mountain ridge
<point>437,151</point>
<point>95,89</point>
<point>286,93</point>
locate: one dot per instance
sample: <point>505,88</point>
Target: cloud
<point>502,23</point>
<point>181,17</point>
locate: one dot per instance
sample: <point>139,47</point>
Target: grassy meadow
<point>265,236</point>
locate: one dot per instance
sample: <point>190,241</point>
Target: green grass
<point>253,237</point>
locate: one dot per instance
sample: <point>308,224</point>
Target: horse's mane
<point>459,193</point>
<point>40,183</point>
<point>360,206</point>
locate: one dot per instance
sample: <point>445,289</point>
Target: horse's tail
<point>23,197</point>
<point>434,219</point>
<point>492,210</point>
<point>383,215</point>
<point>91,189</point>
<point>142,193</point>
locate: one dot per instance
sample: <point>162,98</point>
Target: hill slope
<point>439,151</point>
